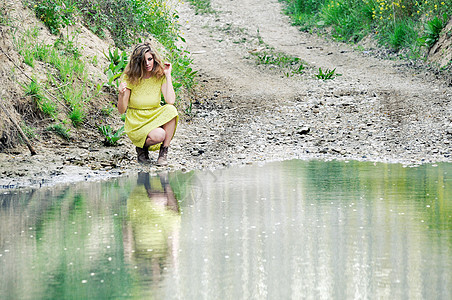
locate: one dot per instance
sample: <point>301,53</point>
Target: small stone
<point>303,130</point>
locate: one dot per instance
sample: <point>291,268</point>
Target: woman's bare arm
<point>123,97</point>
<point>167,87</point>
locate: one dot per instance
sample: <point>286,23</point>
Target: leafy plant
<point>118,62</point>
<point>55,14</point>
<point>327,74</point>
<point>111,138</point>
<point>432,30</point>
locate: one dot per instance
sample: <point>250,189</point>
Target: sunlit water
<point>290,230</point>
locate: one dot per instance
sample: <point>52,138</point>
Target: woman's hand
<point>122,87</point>
<point>167,68</point>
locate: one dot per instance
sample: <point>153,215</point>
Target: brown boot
<point>143,155</point>
<point>161,161</point>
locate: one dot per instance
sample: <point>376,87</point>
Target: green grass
<point>77,115</point>
<point>45,105</point>
<point>60,130</point>
<point>202,6</point>
<point>399,35</point>
<point>399,24</point>
<point>29,131</point>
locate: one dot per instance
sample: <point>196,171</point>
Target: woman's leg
<point>169,131</point>
<point>156,136</point>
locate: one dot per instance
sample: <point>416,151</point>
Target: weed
<point>118,62</point>
<point>189,108</point>
<point>95,61</point>
<point>279,59</point>
<point>28,130</point>
<point>33,89</point>
<point>111,138</point>
<point>400,34</point>
<point>202,6</point>
<point>107,110</point>
<point>55,14</point>
<point>47,106</point>
<point>67,46</point>
<point>77,115</point>
<point>60,130</point>
<point>432,30</point>
<point>29,58</point>
<point>123,117</point>
<point>327,74</point>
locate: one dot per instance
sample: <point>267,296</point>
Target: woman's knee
<point>157,134</point>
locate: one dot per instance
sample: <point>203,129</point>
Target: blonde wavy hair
<point>136,67</point>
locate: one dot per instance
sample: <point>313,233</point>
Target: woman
<point>149,125</point>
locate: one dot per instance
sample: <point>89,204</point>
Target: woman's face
<point>148,61</point>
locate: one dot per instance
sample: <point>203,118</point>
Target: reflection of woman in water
<point>151,233</point>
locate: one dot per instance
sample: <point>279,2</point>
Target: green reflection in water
<point>285,230</point>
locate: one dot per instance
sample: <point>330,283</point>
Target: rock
<point>303,130</point>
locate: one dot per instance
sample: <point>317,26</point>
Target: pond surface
<point>286,230</point>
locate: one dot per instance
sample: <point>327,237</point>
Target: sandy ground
<point>244,113</point>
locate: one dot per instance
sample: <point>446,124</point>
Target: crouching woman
<point>149,125</point>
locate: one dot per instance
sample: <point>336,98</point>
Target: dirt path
<point>379,110</point>
<point>245,113</point>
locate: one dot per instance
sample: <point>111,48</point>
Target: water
<point>289,230</point>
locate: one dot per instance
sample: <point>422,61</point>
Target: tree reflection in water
<point>151,231</point>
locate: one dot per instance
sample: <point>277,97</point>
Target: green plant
<point>77,115</point>
<point>396,24</point>
<point>327,74</point>
<point>111,138</point>
<point>55,14</point>
<point>44,104</point>
<point>4,13</point>
<point>33,89</point>
<point>48,107</point>
<point>400,34</point>
<point>118,62</point>
<point>107,110</point>
<point>67,46</point>
<point>432,30</point>
<point>60,130</point>
<point>279,59</point>
<point>28,130</point>
<point>189,108</point>
<point>95,61</point>
<point>202,6</point>
<point>123,117</point>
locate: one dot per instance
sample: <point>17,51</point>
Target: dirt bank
<point>244,113</point>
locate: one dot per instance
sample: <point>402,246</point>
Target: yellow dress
<point>144,112</point>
